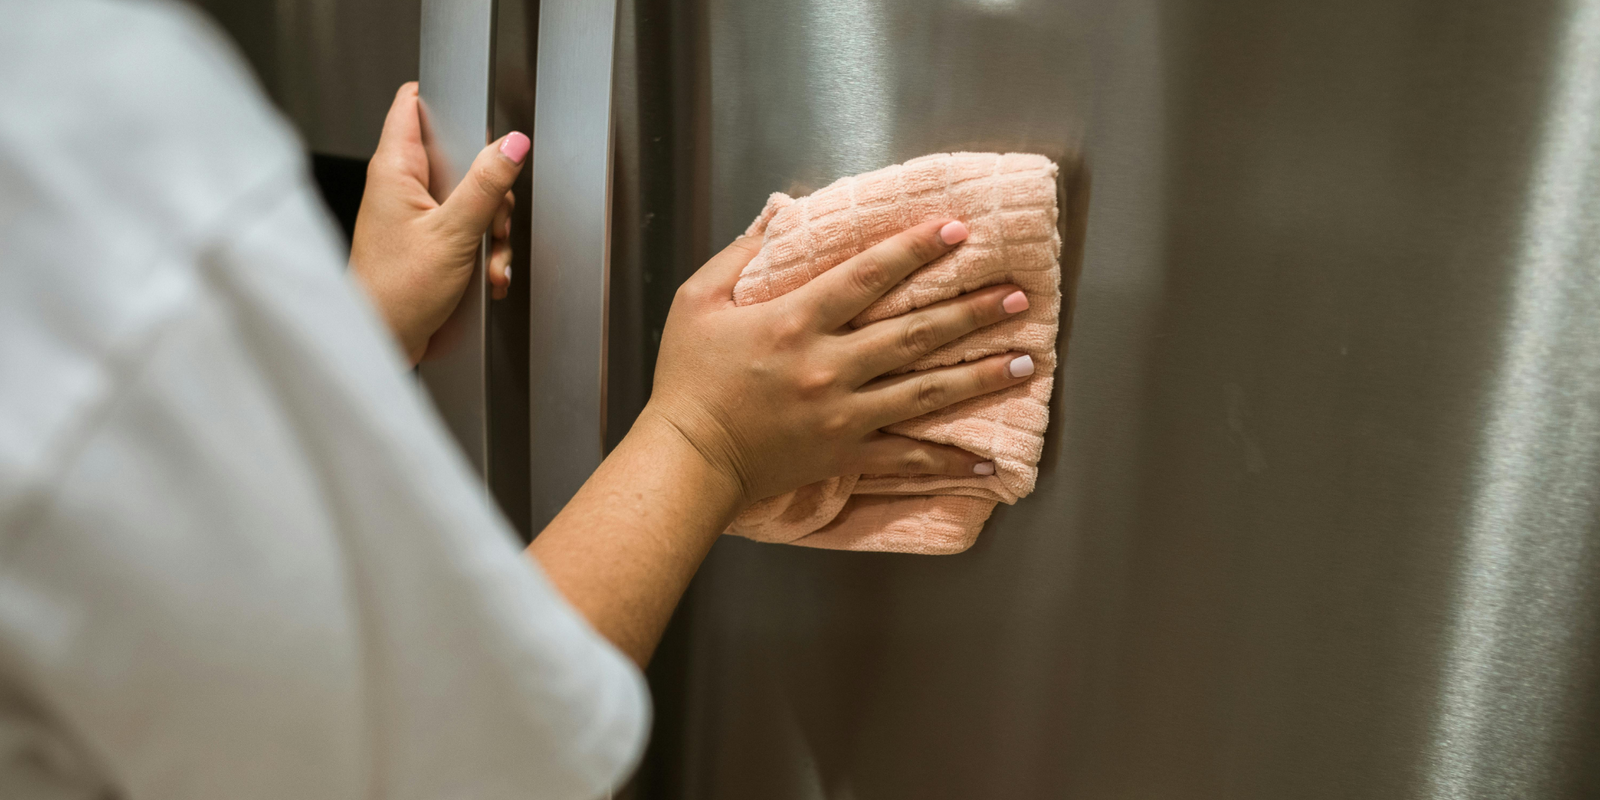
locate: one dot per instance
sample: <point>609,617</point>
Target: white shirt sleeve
<point>238,555</point>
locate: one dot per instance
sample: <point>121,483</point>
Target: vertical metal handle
<point>456,77</point>
<point>570,251</point>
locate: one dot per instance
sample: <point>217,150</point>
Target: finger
<point>904,397</point>
<point>501,228</point>
<point>500,269</point>
<point>893,343</point>
<point>399,151</point>
<point>713,283</point>
<point>887,454</point>
<point>473,204</point>
<point>838,295</point>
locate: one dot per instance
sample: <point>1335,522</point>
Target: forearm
<point>624,548</point>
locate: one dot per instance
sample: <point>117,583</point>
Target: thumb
<point>714,281</point>
<point>472,205</point>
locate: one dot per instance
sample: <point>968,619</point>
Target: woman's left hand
<point>415,255</point>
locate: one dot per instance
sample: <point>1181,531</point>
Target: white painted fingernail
<point>1020,367</point>
<point>984,468</point>
<point>953,233</point>
<point>508,274</point>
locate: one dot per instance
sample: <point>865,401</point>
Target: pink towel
<point>1009,205</point>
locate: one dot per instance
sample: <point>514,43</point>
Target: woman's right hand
<point>754,401</point>
<point>780,394</point>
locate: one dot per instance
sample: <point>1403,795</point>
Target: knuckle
<point>919,336</point>
<point>836,426</point>
<point>983,378</point>
<point>790,330</point>
<point>872,273</point>
<point>932,394</point>
<point>817,380</point>
<point>918,460</point>
<point>977,314</point>
<point>688,293</point>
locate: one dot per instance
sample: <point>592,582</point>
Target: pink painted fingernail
<point>1020,367</point>
<point>1015,302</point>
<point>953,233</point>
<point>983,468</point>
<point>515,147</point>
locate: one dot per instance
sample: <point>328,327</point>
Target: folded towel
<point>1008,203</point>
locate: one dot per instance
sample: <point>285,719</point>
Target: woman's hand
<point>783,393</point>
<point>415,255</point>
<point>754,401</point>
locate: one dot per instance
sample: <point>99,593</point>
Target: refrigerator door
<point>1318,514</point>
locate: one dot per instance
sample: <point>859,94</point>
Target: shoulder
<point>144,103</point>
<point>132,138</point>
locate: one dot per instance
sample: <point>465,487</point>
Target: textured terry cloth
<point>1008,203</point>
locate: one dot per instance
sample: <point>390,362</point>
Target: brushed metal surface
<point>570,249</point>
<point>660,201</point>
<point>1320,511</point>
<point>332,66</point>
<point>506,333</point>
<point>457,87</point>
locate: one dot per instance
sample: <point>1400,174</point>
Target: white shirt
<point>238,556</point>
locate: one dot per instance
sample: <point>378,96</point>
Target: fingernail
<point>1015,302</point>
<point>983,468</point>
<point>508,275</point>
<point>953,233</point>
<point>515,147</point>
<point>1020,367</point>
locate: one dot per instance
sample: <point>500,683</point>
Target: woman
<point>239,557</point>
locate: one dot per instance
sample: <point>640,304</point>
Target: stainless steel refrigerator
<point>1319,512</point>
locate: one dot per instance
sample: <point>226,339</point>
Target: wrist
<point>710,471</point>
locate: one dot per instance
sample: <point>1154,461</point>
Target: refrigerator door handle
<point>456,86</point>
<point>570,249</point>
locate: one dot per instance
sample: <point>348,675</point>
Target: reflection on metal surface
<point>457,88</point>
<point>570,248</point>
<point>997,5</point>
<point>1526,587</point>
<point>850,84</point>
